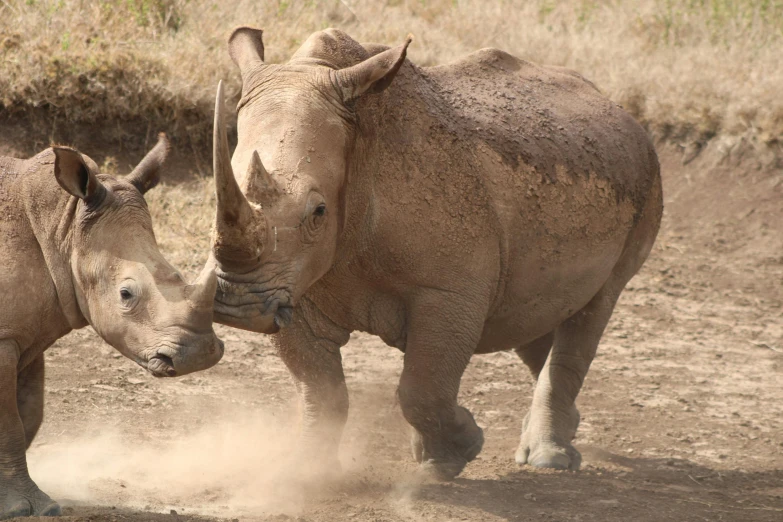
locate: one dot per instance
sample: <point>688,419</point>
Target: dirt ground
<point>682,409</point>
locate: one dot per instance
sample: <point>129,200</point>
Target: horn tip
<point>164,140</point>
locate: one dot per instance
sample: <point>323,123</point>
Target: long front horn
<point>238,238</point>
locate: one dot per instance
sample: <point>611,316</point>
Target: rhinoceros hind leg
<point>546,454</point>
<point>30,397</point>
<point>553,418</point>
<point>535,353</point>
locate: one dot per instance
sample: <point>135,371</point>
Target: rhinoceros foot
<point>536,449</point>
<point>547,454</point>
<point>31,503</point>
<point>445,459</point>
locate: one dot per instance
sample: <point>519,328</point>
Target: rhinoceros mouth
<point>161,365</point>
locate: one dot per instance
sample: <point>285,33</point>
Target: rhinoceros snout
<point>190,355</point>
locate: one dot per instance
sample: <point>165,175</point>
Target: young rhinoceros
<point>77,248</point>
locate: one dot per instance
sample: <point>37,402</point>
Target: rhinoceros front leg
<point>30,397</point>
<point>19,496</point>
<point>442,336</point>
<point>310,348</point>
<point>551,424</point>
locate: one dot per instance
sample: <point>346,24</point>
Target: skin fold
<point>77,248</point>
<point>488,204</point>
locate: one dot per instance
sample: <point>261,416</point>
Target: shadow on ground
<point>614,487</point>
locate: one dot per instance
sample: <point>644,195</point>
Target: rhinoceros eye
<point>130,293</point>
<point>314,217</point>
<point>318,216</point>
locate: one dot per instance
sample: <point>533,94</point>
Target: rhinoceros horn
<point>201,293</point>
<point>239,239</point>
<point>258,185</point>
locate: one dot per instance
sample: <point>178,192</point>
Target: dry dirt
<point>682,410</point>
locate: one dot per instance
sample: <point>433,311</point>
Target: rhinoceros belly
<point>562,241</point>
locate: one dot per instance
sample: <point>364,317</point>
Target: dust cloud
<point>225,468</point>
<point>234,464</point>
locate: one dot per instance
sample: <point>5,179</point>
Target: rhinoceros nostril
<point>161,365</point>
<point>284,316</point>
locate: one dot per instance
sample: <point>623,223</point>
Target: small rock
<point>173,512</point>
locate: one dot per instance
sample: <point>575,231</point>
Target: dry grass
<point>690,70</point>
<point>182,215</point>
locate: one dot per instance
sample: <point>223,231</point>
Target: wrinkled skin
<point>489,204</point>
<point>77,248</point>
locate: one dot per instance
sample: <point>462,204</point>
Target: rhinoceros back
<point>548,120</point>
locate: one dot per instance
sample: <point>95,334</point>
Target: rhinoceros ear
<point>147,173</point>
<point>374,73</point>
<point>246,48</point>
<point>75,177</point>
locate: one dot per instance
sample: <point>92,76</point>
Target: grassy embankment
<point>692,71</point>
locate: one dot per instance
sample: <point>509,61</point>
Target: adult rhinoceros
<point>77,248</point>
<point>489,204</point>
